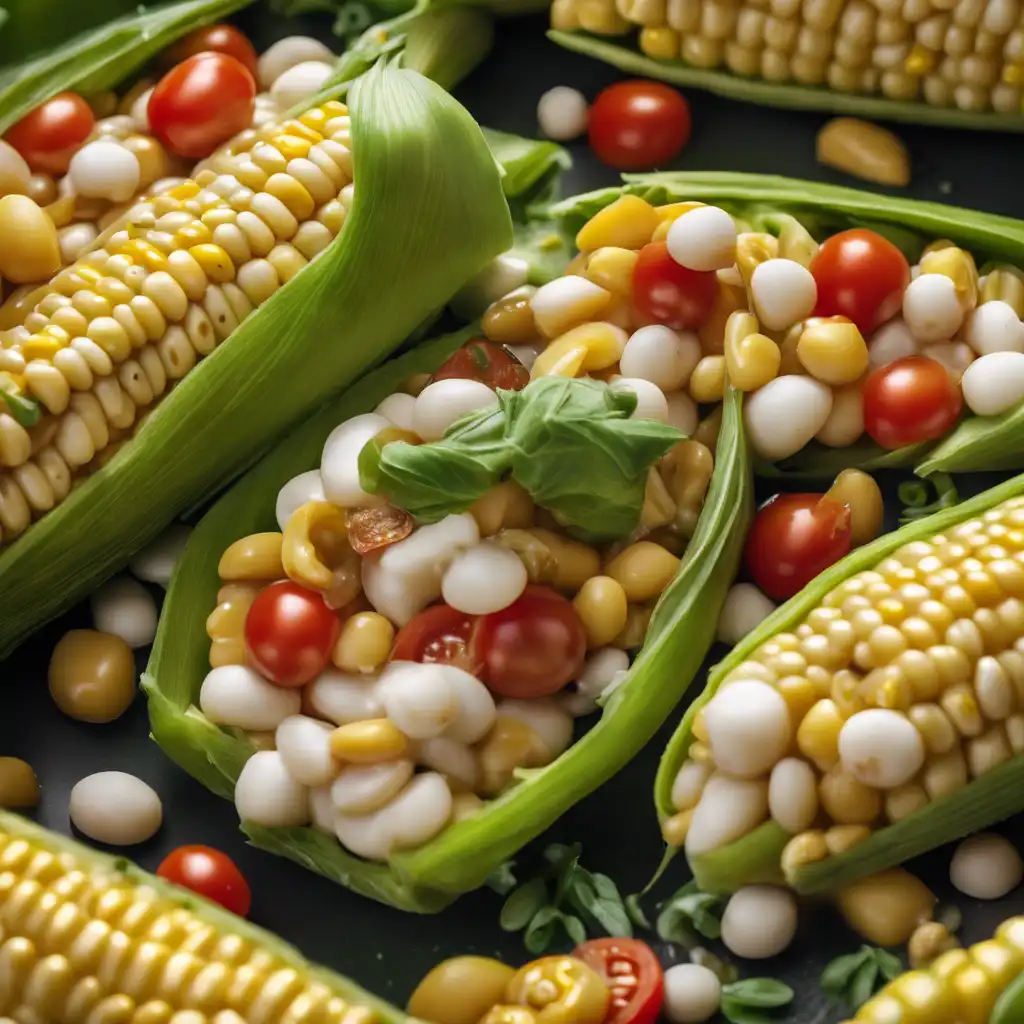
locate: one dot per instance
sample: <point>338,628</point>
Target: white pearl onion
<point>155,563</point>
<point>287,53</point>
<point>749,728</point>
<point>267,795</point>
<point>745,608</point>
<point>759,921</point>
<point>986,867</point>
<point>994,383</point>
<point>418,699</point>
<point>339,464</point>
<point>785,414</point>
<point>693,994</point>
<point>651,403</point>
<point>729,808</point>
<point>931,308</point>
<point>115,808</point>
<point>294,85</point>
<point>305,747</point>
<point>994,327</point>
<point>124,608</point>
<point>890,342</point>
<point>562,113</point>
<point>236,695</point>
<point>793,794</point>
<point>783,292</point>
<point>683,413</point>
<point>703,239</point>
<point>662,356</point>
<point>440,404</point>
<point>881,748</point>
<point>297,492</point>
<point>400,408</point>
<point>484,579</point>
<point>104,170</point>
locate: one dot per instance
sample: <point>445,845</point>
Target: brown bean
<point>92,676</point>
<point>18,786</point>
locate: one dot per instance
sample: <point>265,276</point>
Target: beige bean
<point>92,676</point>
<point>865,151</point>
<point>256,557</point>
<point>602,606</point>
<point>18,786</point>
<point>859,492</point>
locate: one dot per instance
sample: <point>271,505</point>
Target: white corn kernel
<point>703,239</point>
<point>994,383</point>
<point>931,308</point>
<point>783,292</point>
<point>748,727</point>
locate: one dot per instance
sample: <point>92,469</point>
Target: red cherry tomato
<point>202,103</point>
<point>910,400</point>
<point>533,647</point>
<point>289,633</point>
<point>210,873</point>
<point>486,362</point>
<point>440,635</point>
<point>793,538</point>
<point>214,39</point>
<point>860,275</point>
<point>666,293</point>
<point>638,125</point>
<point>50,135</point>
<point>633,974</point>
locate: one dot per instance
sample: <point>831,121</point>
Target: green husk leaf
<point>502,879</point>
<point>435,186</point>
<point>21,408</point>
<point>1009,1008</point>
<point>528,163</point>
<point>979,443</point>
<point>446,43</point>
<point>102,57</point>
<point>623,54</point>
<point>227,923</point>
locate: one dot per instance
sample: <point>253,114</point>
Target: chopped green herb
<point>916,496</point>
<point>854,978</point>
<point>688,914</point>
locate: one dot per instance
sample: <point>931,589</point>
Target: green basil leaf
<point>888,964</point>
<point>738,1013</point>
<point>764,993</point>
<point>636,912</point>
<point>863,984</point>
<point>523,905</point>
<point>574,929</point>
<point>838,973</point>
<point>541,930</point>
<point>569,873</point>
<point>502,880</point>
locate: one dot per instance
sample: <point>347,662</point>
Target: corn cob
<point>87,939</point>
<point>108,336</point>
<point>979,985</point>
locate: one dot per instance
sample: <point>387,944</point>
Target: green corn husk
<point>462,857</point>
<point>123,873</point>
<point>432,213</point>
<point>755,858</point>
<point>624,54</point>
<point>768,203</point>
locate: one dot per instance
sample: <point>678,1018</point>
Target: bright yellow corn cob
<point>99,345</point>
<point>81,943</point>
<point>968,54</point>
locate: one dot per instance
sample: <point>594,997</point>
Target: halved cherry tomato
<point>666,293</point>
<point>439,634</point>
<point>202,103</point>
<point>793,538</point>
<point>289,633</point>
<point>50,135</point>
<point>533,647</point>
<point>486,362</point>
<point>860,275</point>
<point>210,873</point>
<point>213,39</point>
<point>633,974</point>
<point>912,399</point>
<point>638,125</point>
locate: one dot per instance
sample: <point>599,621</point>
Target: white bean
<point>483,579</point>
<point>400,409</point>
<point>994,383</point>
<point>432,547</point>
<point>783,292</point>
<point>994,327</point>
<point>305,747</point>
<point>115,808</point>
<point>661,355</point>
<point>364,788</point>
<point>565,302</point>
<point>749,728</point>
<point>476,710</point>
<point>703,239</point>
<point>287,53</point>
<point>544,716</point>
<point>267,795</point>
<point>237,695</point>
<point>104,169</point>
<point>759,922</point>
<point>955,356</point>
<point>683,413</point>
<point>418,699</point>
<point>881,748</point>
<point>322,810</point>
<point>693,994</point>
<point>651,403</point>
<point>793,794</point>
<point>155,563</point>
<point>291,87</point>
<point>745,608</point>
<point>729,808</point>
<point>397,596</point>
<point>450,758</point>
<point>931,308</point>
<point>297,492</point>
<point>890,342</point>
<point>689,784</point>
<point>339,464</point>
<point>440,404</point>
<point>845,422</point>
<point>785,414</point>
<point>124,608</point>
<point>343,698</point>
<point>986,867</point>
<point>562,113</point>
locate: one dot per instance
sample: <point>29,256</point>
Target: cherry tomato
<point>860,275</point>
<point>666,293</point>
<point>533,647</point>
<point>633,974</point>
<point>439,635</point>
<point>910,400</point>
<point>638,125</point>
<point>210,873</point>
<point>50,135</point>
<point>214,39</point>
<point>289,633</point>
<point>793,538</point>
<point>202,103</point>
<point>486,362</point>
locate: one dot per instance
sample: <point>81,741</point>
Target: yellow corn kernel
<point>669,212</point>
<point>612,267</point>
<point>300,558</point>
<point>369,741</point>
<point>675,828</point>
<point>796,243</point>
<point>215,262</point>
<point>848,801</point>
<point>186,190</point>
<point>806,848</point>
<point>929,942</point>
<point>841,838</point>
<point>507,506</point>
<point>800,695</point>
<point>293,147</point>
<point>602,607</point>
<point>600,17</point>
<point>638,618</point>
<point>643,570</point>
<point>604,344</point>
<point>974,993</point>
<point>661,42</point>
<point>560,359</point>
<point>364,643</point>
<point>256,557</point>
<point>958,265</point>
<point>143,253</point>
<point>833,350</point>
<point>707,382</point>
<point>751,359</point>
<point>752,249</point>
<point>628,223</point>
<point>40,346</point>
<point>1006,284</point>
<point>818,735</point>
<point>886,908</point>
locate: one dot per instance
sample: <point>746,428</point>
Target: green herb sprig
<point>688,914</point>
<point>916,497</point>
<point>854,978</point>
<point>745,1002</point>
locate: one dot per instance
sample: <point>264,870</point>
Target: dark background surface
<point>384,949</point>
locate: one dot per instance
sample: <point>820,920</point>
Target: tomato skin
<point>666,293</point>
<point>210,873</point>
<point>638,125</point>
<point>204,101</point>
<point>486,362</point>
<point>533,647</point>
<point>792,539</point>
<point>290,633</point>
<point>49,136</point>
<point>912,399</point>
<point>438,635</point>
<point>633,973</point>
<point>860,275</point>
<point>214,39</point>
